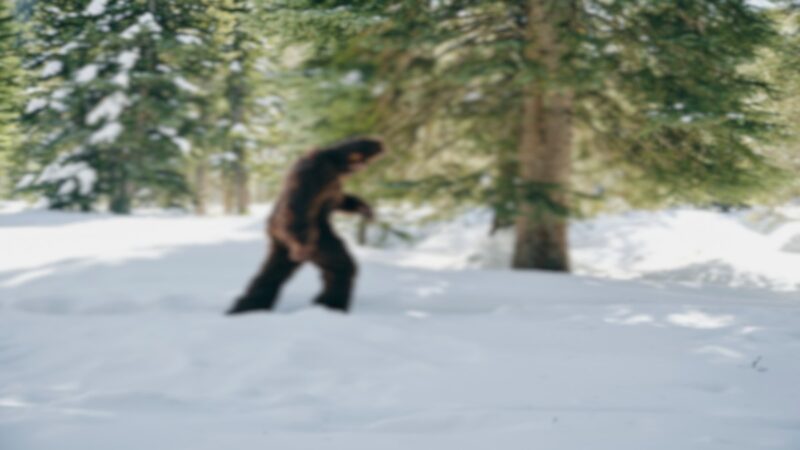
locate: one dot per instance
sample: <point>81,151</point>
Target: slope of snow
<point>757,248</point>
<point>111,336</point>
<point>746,249</point>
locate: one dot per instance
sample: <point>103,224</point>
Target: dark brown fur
<point>299,227</point>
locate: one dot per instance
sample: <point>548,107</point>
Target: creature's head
<point>354,154</point>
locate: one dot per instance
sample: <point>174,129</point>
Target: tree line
<point>540,110</point>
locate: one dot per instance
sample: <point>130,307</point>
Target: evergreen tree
<point>10,84</point>
<point>115,107</point>
<point>242,108</point>
<point>241,84</point>
<point>524,105</point>
<point>782,64</point>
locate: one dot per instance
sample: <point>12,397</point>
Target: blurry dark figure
<point>300,230</point>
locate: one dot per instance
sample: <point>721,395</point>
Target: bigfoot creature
<point>300,230</point>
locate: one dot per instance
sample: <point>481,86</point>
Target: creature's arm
<point>303,205</point>
<point>354,204</point>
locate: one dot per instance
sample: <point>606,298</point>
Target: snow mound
<point>759,248</point>
<point>691,246</point>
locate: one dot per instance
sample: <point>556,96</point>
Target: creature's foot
<point>245,304</point>
<point>338,305</point>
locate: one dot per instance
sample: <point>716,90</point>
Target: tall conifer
<point>530,106</point>
<point>114,110</point>
<point>10,84</point>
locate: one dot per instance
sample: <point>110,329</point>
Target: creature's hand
<point>354,204</point>
<point>299,252</point>
<point>366,211</point>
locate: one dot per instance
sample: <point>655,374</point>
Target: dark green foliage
<point>10,83</point>
<point>782,63</point>
<point>673,101</point>
<point>678,116</point>
<point>115,106</point>
<point>664,110</point>
<point>242,115</point>
<point>243,108</point>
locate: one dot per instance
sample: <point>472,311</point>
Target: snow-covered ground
<point>111,337</point>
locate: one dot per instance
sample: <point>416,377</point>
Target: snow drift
<point>111,336</point>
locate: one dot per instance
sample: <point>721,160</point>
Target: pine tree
<point>10,84</point>
<point>782,64</point>
<point>526,105</point>
<point>115,107</point>
<point>241,48</point>
<point>241,107</point>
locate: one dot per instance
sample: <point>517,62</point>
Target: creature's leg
<point>265,286</point>
<point>338,272</point>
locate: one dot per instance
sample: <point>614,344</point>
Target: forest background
<point>539,110</point>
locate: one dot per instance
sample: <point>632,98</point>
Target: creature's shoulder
<point>319,165</point>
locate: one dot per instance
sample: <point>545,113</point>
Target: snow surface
<point>239,128</point>
<point>87,73</point>
<point>109,108</point>
<point>108,133</point>
<point>35,104</point>
<point>73,175</point>
<point>121,79</point>
<point>145,22</point>
<point>61,93</point>
<point>127,59</point>
<point>749,249</point>
<point>26,181</point>
<point>51,68</point>
<point>68,47</point>
<point>96,8</point>
<point>188,39</point>
<point>183,144</point>
<point>352,78</point>
<point>111,336</point>
<point>167,131</point>
<point>185,85</point>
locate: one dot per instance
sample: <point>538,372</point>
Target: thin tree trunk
<point>121,200</point>
<point>361,231</point>
<point>242,193</point>
<point>122,192</point>
<point>200,188</point>
<point>228,195</point>
<point>505,188</point>
<point>545,146</point>
<point>240,181</point>
<point>237,93</point>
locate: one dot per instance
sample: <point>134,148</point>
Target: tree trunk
<point>200,188</point>
<point>120,202</point>
<point>503,204</point>
<point>240,181</point>
<point>545,146</point>
<point>361,231</point>
<point>228,195</point>
<point>237,93</point>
